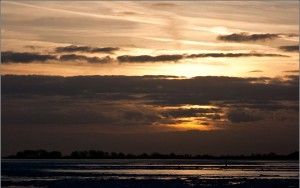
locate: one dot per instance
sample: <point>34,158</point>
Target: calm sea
<point>88,173</point>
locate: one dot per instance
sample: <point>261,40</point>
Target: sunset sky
<point>197,77</point>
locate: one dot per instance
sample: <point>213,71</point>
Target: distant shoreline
<point>95,154</point>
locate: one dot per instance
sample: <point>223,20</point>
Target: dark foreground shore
<point>156,183</point>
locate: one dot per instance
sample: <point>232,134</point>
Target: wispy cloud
<point>255,71</point>
<point>292,71</point>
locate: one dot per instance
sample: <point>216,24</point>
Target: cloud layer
<point>74,48</point>
<point>117,106</point>
<point>177,57</point>
<point>240,115</point>
<point>24,57</point>
<point>28,57</point>
<point>178,91</point>
<point>291,48</point>
<point>32,57</point>
<point>246,37</point>
<point>148,58</point>
<point>74,57</point>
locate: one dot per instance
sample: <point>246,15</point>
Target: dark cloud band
<point>291,48</point>
<point>198,90</point>
<point>148,58</point>
<point>28,57</point>
<point>245,37</point>
<point>24,57</point>
<point>216,55</point>
<point>241,115</point>
<point>177,57</point>
<point>74,48</point>
<point>74,57</point>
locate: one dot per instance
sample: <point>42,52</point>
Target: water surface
<point>143,172</point>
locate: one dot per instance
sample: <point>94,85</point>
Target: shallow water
<point>43,172</point>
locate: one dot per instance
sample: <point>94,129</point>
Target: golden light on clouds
<point>191,124</point>
<point>150,29</point>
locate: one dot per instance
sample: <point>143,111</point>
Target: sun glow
<point>188,124</point>
<point>220,30</point>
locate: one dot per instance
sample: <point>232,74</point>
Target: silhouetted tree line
<point>37,154</point>
<point>96,154</point>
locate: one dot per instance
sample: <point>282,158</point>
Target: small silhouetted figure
<point>226,163</point>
